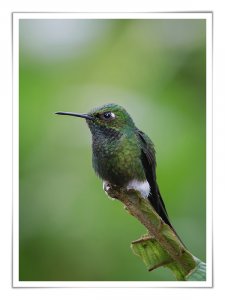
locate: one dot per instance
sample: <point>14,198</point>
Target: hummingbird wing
<point>149,164</point>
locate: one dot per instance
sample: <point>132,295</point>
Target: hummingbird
<point>123,155</point>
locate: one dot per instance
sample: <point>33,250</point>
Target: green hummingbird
<point>123,155</point>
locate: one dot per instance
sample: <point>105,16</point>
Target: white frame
<point>18,16</point>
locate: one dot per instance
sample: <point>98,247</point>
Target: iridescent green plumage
<point>122,154</point>
<point>116,149</point>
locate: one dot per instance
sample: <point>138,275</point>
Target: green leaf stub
<point>150,252</point>
<point>154,256</point>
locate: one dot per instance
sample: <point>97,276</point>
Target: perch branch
<point>163,246</point>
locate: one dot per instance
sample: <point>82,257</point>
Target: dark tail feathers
<point>160,208</point>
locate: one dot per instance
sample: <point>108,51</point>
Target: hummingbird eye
<point>108,115</point>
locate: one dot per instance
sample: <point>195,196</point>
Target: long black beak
<point>85,116</point>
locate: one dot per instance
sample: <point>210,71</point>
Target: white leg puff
<point>141,186</point>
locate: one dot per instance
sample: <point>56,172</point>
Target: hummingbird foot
<point>107,187</point>
<point>142,187</point>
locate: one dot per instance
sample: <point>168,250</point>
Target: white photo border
<point>208,16</point>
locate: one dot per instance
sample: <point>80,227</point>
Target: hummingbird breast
<point>117,158</point>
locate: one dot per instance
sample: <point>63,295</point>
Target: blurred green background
<point>68,228</point>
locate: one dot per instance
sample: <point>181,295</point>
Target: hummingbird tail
<point>160,208</point>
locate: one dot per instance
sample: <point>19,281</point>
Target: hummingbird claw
<point>106,187</point>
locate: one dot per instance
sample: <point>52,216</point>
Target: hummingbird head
<point>111,117</point>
